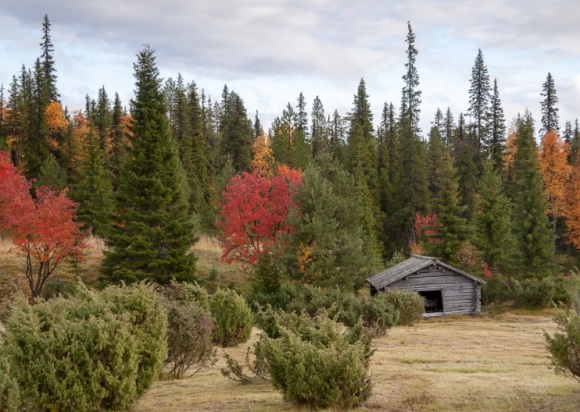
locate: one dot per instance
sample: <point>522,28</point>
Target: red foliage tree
<point>43,231</point>
<point>427,228</point>
<point>254,213</point>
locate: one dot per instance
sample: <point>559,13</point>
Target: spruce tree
<point>568,132</point>
<point>453,230</point>
<point>337,137</point>
<point>550,119</point>
<point>118,144</point>
<point>479,97</point>
<point>319,129</point>
<point>496,133</point>
<point>533,233</point>
<point>493,220</point>
<point>258,129</point>
<point>94,193</point>
<point>153,230</point>
<point>49,90</point>
<point>302,116</point>
<point>289,147</point>
<point>237,134</point>
<point>413,151</point>
<point>449,125</point>
<point>102,119</point>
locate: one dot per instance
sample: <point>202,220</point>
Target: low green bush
<point>187,293</point>
<point>533,293</point>
<point>316,362</point>
<point>96,351</point>
<point>564,345</point>
<point>233,317</point>
<point>379,314</point>
<point>59,287</point>
<point>409,305</point>
<point>9,390</point>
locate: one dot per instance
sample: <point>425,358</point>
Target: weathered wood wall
<point>461,295</point>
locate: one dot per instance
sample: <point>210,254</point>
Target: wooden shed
<point>446,290</point>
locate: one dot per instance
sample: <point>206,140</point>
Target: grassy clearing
<point>450,364</point>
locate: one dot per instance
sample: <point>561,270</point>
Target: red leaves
<point>254,213</point>
<point>427,228</point>
<point>43,230</point>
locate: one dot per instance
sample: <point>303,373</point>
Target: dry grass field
<point>448,364</point>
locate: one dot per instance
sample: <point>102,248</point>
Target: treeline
<point>469,189</point>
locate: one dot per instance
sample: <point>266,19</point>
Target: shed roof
<point>412,265</point>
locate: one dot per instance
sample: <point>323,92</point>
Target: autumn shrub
<point>189,338</point>
<point>233,317</point>
<point>9,390</point>
<point>564,345</point>
<point>410,306</point>
<point>317,362</point>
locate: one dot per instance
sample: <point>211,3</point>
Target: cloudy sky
<point>269,51</point>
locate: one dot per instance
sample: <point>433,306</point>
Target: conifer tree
<point>118,142</point>
<point>413,151</point>
<point>153,231</point>
<point>575,144</point>
<point>289,147</point>
<point>436,158</point>
<point>496,133</point>
<point>568,132</point>
<point>453,230</point>
<point>533,234</point>
<point>258,129</point>
<point>237,134</point>
<point>94,193</point>
<point>102,119</point>
<point>493,220</point>
<point>302,116</point>
<point>336,126</point>
<point>449,125</point>
<point>49,90</point>
<point>550,119</point>
<point>319,129</point>
<point>51,175</point>
<point>479,97</point>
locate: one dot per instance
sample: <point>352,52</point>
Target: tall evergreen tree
<point>289,147</point>
<point>258,129</point>
<point>302,116</point>
<point>550,119</point>
<point>337,137</point>
<point>237,134</point>
<point>453,230</point>
<point>49,90</point>
<point>414,179</point>
<point>319,129</point>
<point>118,143</point>
<point>532,228</point>
<point>479,97</point>
<point>568,132</point>
<point>493,220</point>
<point>496,134</point>
<point>153,231</point>
<point>94,193</point>
<point>102,119</point>
<point>449,124</point>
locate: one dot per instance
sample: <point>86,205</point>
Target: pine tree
<point>550,120</point>
<point>302,116</point>
<point>411,99</point>
<point>102,119</point>
<point>153,230</point>
<point>493,220</point>
<point>94,193</point>
<point>532,228</point>
<point>118,142</point>
<point>413,151</point>
<point>49,90</point>
<point>575,144</point>
<point>449,123</point>
<point>479,98</point>
<point>337,137</point>
<point>288,144</point>
<point>436,158</point>
<point>453,230</point>
<point>568,132</point>
<point>319,129</point>
<point>496,137</point>
<point>51,175</point>
<point>237,134</point>
<point>258,129</point>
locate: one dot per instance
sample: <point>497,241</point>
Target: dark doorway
<point>433,301</point>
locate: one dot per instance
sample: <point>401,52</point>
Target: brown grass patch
<point>445,364</point>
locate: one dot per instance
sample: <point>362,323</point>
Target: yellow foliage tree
<point>263,161</point>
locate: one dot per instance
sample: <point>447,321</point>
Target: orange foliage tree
<point>571,208</point>
<point>553,157</point>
